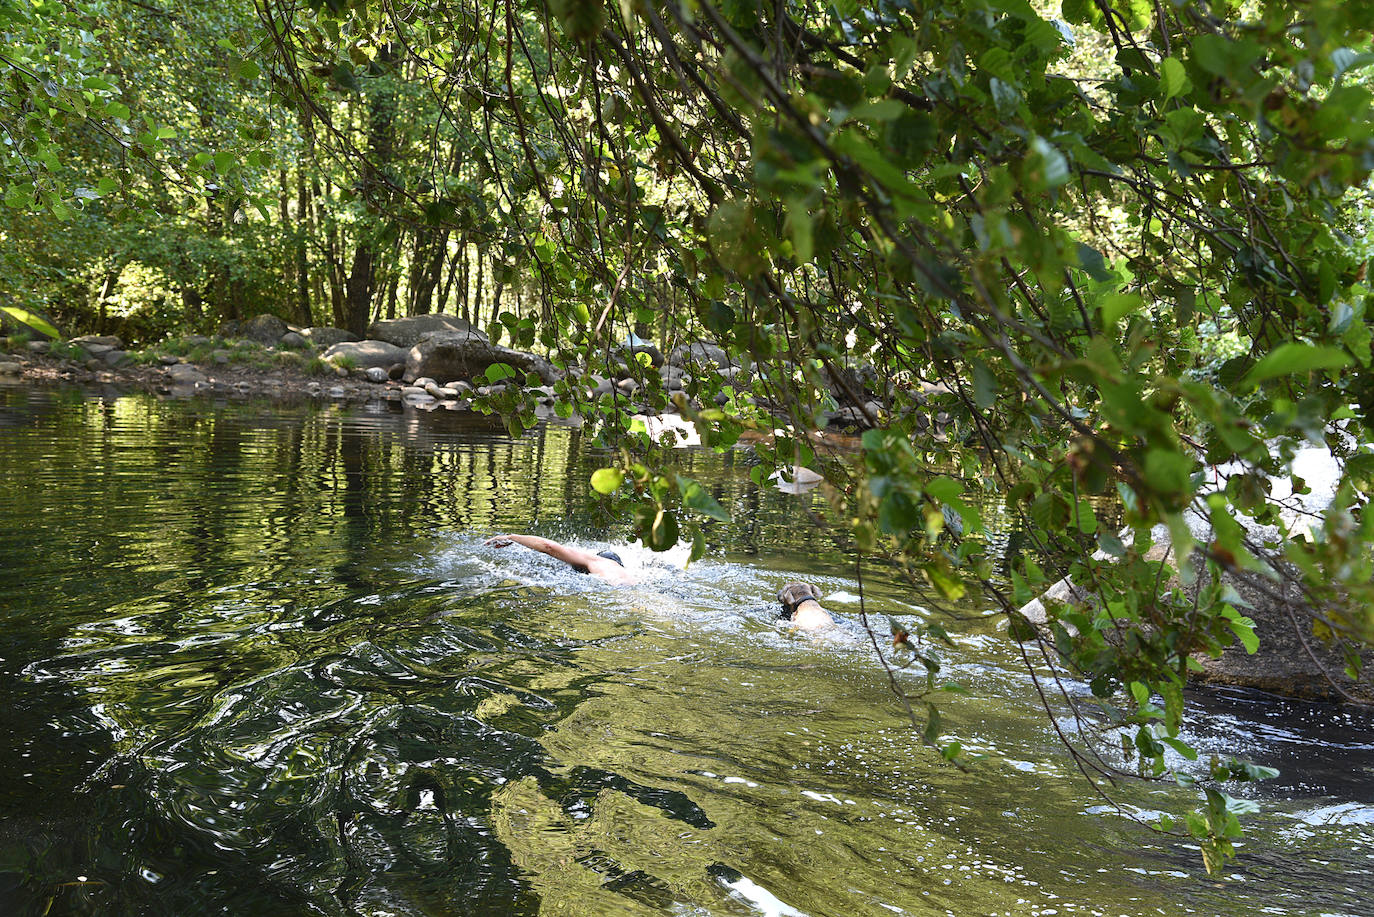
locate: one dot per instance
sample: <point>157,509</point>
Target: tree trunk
<point>302,310</point>
<point>107,285</point>
<point>362,278</point>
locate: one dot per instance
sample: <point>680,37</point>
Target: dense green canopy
<point>1071,257</point>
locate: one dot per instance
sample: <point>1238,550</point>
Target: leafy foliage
<point>1073,262</point>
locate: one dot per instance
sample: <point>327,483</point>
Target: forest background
<point>1111,244</point>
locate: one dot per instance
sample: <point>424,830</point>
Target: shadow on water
<point>259,661</point>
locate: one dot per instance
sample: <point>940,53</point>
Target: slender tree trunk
<point>107,285</point>
<point>463,283</point>
<point>362,277</point>
<point>459,309</point>
<point>303,316</point>
<point>477,297</point>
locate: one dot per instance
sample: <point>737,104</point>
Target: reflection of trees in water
<point>191,554</point>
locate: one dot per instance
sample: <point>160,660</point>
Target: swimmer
<point>801,606</point>
<point>605,565</point>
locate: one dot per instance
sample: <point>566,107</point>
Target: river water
<point>256,660</point>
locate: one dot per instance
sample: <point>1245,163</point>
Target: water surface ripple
<point>258,661</point>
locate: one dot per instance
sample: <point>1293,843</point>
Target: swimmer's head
<point>793,594</point>
<point>609,555</point>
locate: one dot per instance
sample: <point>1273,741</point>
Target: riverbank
<point>428,362</point>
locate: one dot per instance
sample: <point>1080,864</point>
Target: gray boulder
<point>451,355</point>
<point>293,341</point>
<point>1290,660</point>
<point>407,332</point>
<point>375,374</point>
<point>700,353</point>
<point>265,329</point>
<point>108,341</point>
<point>11,369</point>
<point>39,347</point>
<point>97,350</point>
<point>655,355</point>
<point>116,358</point>
<point>184,374</point>
<point>326,336</point>
<point>367,353</point>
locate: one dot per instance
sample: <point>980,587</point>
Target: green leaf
<point>1046,166</point>
<point>1243,628</point>
<point>1293,358</point>
<point>878,110</point>
<point>698,547</point>
<point>1084,517</point>
<point>1173,79</point>
<point>799,223</point>
<point>1183,748</point>
<point>698,498</point>
<point>1091,260</point>
<point>497,372</point>
<point>984,385</point>
<point>607,480</point>
<point>944,489</point>
<point>224,161</point>
<point>933,723</point>
<point>36,322</point>
<point>657,527</point>
<point>1115,305</point>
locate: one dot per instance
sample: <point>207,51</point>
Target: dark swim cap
<point>611,555</point>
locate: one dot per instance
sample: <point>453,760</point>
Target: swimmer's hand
<point>500,541</point>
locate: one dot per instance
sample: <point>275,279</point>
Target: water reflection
<point>260,661</point>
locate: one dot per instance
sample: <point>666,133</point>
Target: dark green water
<point>257,661</point>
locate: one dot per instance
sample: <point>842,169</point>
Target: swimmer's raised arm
<point>573,557</point>
<point>583,561</point>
